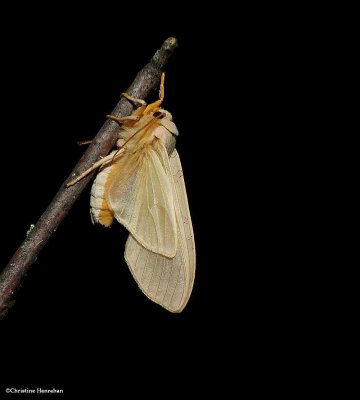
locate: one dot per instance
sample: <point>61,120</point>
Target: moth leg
<point>83,142</point>
<point>153,107</point>
<point>96,165</point>
<point>120,120</point>
<point>134,100</point>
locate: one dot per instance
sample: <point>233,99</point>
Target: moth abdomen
<point>100,211</point>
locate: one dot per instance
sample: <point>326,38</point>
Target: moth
<point>141,185</point>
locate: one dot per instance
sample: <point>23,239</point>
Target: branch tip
<point>170,44</point>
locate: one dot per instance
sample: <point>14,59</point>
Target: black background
<point>79,312</point>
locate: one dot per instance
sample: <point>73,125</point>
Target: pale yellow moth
<point>141,185</point>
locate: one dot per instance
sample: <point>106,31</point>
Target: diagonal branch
<point>11,277</point>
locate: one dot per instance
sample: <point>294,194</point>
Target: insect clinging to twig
<point>141,185</point>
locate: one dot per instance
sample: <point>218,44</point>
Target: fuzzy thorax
<point>136,136</point>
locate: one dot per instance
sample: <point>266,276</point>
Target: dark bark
<point>11,277</point>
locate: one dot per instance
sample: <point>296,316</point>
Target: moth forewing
<point>143,201</point>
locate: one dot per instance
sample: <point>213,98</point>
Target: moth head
<point>163,114</point>
<point>166,120</point>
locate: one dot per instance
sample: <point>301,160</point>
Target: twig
<point>11,277</point>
